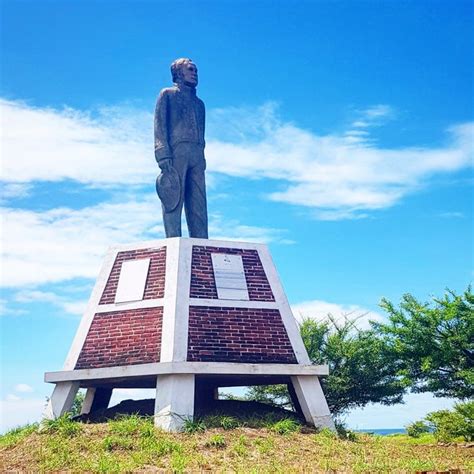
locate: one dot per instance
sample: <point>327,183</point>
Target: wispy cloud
<point>374,115</point>
<point>319,311</point>
<point>452,215</point>
<point>336,176</point>
<point>110,146</point>
<point>23,388</point>
<point>11,397</point>
<point>62,301</point>
<point>14,190</point>
<point>62,244</point>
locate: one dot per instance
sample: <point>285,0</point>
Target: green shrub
<point>77,403</point>
<point>417,428</point>
<point>163,446</point>
<point>222,421</point>
<point>17,434</point>
<point>127,425</point>
<point>240,447</point>
<point>114,442</point>
<point>63,426</point>
<point>344,432</point>
<point>178,462</point>
<point>286,426</point>
<point>229,422</point>
<point>216,441</point>
<point>194,426</point>
<point>327,433</point>
<point>448,425</point>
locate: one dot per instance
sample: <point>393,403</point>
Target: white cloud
<point>16,412</point>
<point>338,176</point>
<point>23,388</point>
<point>74,307</point>
<point>224,229</point>
<point>11,397</point>
<point>373,116</point>
<point>15,190</point>
<point>61,244</point>
<point>452,215</point>
<point>63,302</point>
<point>319,310</point>
<point>115,146</point>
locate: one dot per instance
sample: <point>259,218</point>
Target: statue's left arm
<point>202,121</point>
<point>162,147</point>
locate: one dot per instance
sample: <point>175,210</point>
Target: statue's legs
<point>189,163</point>
<point>172,221</point>
<point>195,204</point>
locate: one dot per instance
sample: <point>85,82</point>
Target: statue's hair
<point>176,68</point>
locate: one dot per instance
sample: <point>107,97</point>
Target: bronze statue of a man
<point>179,151</point>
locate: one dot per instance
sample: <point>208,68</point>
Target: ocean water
<point>384,431</point>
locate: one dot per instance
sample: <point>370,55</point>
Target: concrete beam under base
<point>210,368</point>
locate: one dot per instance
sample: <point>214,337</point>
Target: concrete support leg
<point>61,400</point>
<point>174,401</point>
<point>294,399</point>
<point>312,401</point>
<point>96,399</point>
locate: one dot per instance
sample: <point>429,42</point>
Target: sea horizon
<point>382,431</point>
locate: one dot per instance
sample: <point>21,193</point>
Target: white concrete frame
<point>167,368</point>
<point>175,376</point>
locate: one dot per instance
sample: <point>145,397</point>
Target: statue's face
<point>190,74</point>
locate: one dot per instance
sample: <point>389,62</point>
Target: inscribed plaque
<point>230,277</point>
<point>132,280</point>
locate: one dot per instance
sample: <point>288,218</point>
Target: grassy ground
<point>133,444</point>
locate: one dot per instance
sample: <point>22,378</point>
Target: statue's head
<point>184,71</point>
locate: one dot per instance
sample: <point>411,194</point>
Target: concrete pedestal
<point>167,313</point>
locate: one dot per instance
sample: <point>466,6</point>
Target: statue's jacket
<point>179,117</point>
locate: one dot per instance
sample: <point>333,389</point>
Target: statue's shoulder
<point>168,91</point>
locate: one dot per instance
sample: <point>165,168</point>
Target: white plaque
<point>132,280</point>
<point>230,277</point>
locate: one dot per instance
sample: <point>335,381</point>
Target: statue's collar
<point>185,89</point>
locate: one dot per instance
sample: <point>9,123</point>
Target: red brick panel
<point>238,335</point>
<point>122,338</point>
<point>203,284</point>
<point>155,283</point>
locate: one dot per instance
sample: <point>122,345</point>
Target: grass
<point>286,426</point>
<point>132,443</point>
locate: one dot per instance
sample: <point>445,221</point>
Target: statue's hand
<point>165,164</point>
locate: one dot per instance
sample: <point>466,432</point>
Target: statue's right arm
<point>162,148</point>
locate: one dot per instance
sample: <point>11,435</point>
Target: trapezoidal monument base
<point>187,316</point>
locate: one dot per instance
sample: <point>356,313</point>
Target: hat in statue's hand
<point>168,188</point>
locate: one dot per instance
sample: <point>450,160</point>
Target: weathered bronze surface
<point>179,151</point>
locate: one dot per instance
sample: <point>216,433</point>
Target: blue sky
<point>340,133</point>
